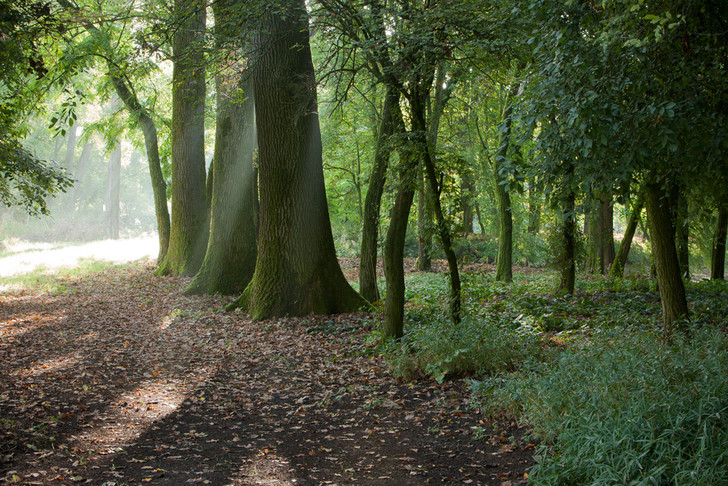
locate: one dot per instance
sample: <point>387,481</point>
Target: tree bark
<point>672,290</point>
<point>190,225</point>
<point>567,283</point>
<point>605,234</point>
<point>504,268</point>
<point>296,272</point>
<point>424,223</point>
<point>373,199</point>
<point>620,260</point>
<point>717,261</point>
<point>231,250</point>
<point>393,325</point>
<point>534,210</point>
<point>682,234</point>
<point>113,193</point>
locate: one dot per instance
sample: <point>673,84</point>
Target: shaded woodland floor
<point>116,378</point>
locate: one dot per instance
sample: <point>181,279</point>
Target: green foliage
<point>626,409</point>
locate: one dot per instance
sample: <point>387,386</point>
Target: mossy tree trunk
<point>672,290</point>
<point>190,224</point>
<point>504,268</point>
<point>393,325</point>
<point>373,199</point>
<point>717,261</point>
<point>231,250</point>
<point>620,260</point>
<point>296,272</point>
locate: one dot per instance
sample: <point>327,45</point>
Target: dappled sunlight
<point>26,257</point>
<point>15,326</point>
<point>132,413</point>
<point>266,468</point>
<point>49,365</point>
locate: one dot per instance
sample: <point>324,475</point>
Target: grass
<point>53,280</point>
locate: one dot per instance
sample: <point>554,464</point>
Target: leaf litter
<point>119,379</point>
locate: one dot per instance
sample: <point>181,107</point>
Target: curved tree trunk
<point>672,289</point>
<point>190,224</point>
<point>296,272</point>
<point>149,130</point>
<point>717,261</point>
<point>620,260</point>
<point>373,199</point>
<point>231,250</point>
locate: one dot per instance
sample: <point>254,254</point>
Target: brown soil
<point>118,379</point>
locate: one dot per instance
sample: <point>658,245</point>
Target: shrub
<point>625,410</point>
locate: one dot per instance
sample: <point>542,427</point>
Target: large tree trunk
<point>717,261</point>
<point>620,260</point>
<point>231,250</point>
<point>190,224</point>
<point>672,289</point>
<point>504,269</point>
<point>372,201</point>
<point>297,272</point>
<point>605,234</point>
<point>113,193</point>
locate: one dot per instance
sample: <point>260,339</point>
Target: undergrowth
<point>609,401</point>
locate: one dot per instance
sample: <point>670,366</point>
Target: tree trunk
<point>682,234</point>
<point>568,251</point>
<point>620,260</point>
<point>605,234</point>
<point>113,186</point>
<point>717,261</point>
<point>393,325</point>
<point>231,250</point>
<point>504,269</point>
<point>296,272</point>
<point>149,129</point>
<point>534,211</point>
<point>424,223</point>
<point>372,201</point>
<point>672,289</point>
<point>468,213</point>
<point>80,173</point>
<point>190,224</point>
<point>419,126</point>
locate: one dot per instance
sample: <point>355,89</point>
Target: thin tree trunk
<point>424,223</point>
<point>717,261</point>
<point>190,224</point>
<point>534,210</point>
<point>372,201</point>
<point>149,130</point>
<point>672,289</point>
<point>567,283</point>
<point>620,260</point>
<point>682,234</point>
<point>296,272</point>
<point>468,214</point>
<point>393,325</point>
<point>504,268</point>
<point>113,193</point>
<point>80,174</point>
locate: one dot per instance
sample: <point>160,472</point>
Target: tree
<point>620,260</point>
<point>189,227</point>
<point>296,272</point>
<point>717,261</point>
<point>113,193</point>
<point>231,250</point>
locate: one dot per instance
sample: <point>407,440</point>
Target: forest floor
<point>116,378</point>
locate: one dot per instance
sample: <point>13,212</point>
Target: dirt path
<point>118,379</point>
